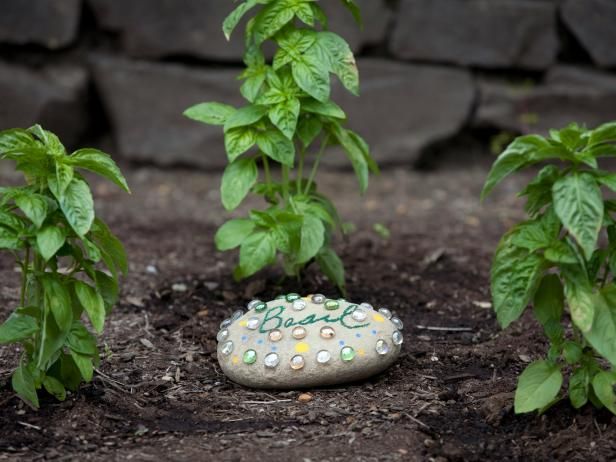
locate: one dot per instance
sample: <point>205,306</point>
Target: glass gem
<point>318,299</point>
<point>259,307</point>
<point>397,337</point>
<point>251,305</point>
<point>398,323</point>
<point>236,315</point>
<point>222,335</point>
<point>250,357</point>
<point>292,297</point>
<point>299,332</point>
<point>332,305</point>
<point>272,360</point>
<point>299,305</point>
<point>227,348</point>
<point>385,312</point>
<point>297,362</point>
<point>323,357</point>
<point>347,354</point>
<point>253,323</point>
<point>382,347</point>
<point>275,335</point>
<point>366,306</point>
<point>328,332</point>
<point>226,323</point>
<point>359,315</point>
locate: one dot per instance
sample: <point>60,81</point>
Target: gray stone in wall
<point>158,28</point>
<point>55,97</point>
<point>145,102</point>
<point>484,33</point>
<point>569,94</point>
<point>594,24</point>
<point>50,23</point>
<point>405,108</point>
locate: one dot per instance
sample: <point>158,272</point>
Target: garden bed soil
<point>160,395</point>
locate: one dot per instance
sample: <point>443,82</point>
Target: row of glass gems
<point>297,362</point>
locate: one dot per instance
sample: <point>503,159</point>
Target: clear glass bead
<point>385,312</point>
<point>271,360</point>
<point>222,335</point>
<point>328,332</point>
<point>397,337</point>
<point>323,357</point>
<point>297,362</point>
<point>382,347</point>
<point>253,323</point>
<point>227,348</point>
<point>299,305</point>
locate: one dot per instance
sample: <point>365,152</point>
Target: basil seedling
<point>61,248</point>
<point>289,121</point>
<point>562,260</point>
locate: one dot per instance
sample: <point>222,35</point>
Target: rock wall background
<point>437,75</point>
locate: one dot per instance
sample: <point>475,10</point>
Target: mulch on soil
<point>160,394</point>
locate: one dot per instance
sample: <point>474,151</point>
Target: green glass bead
<point>250,357</point>
<point>260,307</point>
<point>332,305</point>
<point>347,354</point>
<point>292,297</point>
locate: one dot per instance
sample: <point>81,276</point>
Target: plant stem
<point>285,183</point>
<point>24,276</point>
<point>315,166</point>
<point>300,168</point>
<point>268,177</point>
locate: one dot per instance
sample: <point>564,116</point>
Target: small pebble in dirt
<point>300,342</point>
<point>179,287</point>
<point>305,398</point>
<point>151,269</point>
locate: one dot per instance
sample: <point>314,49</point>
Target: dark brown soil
<point>159,393</point>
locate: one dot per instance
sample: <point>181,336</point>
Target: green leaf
<point>579,205</point>
<point>354,9</point>
<point>58,301</point>
<point>539,190</point>
<point>93,303</point>
<point>49,240</point>
<point>578,387</point>
<point>210,113</point>
<point>84,364</point>
<point>111,248</point>
<point>108,287</point>
<point>231,21</point>
<point>284,116</point>
<point>100,163</point>
<point>34,206</point>
<point>23,384</point>
<point>233,233</point>
<point>606,133</point>
<point>81,341</point>
<point>341,59</point>
<point>238,179</point>
<point>245,116</point>
<point>277,147</point>
<point>602,333</point>
<point>332,266</point>
<point>603,385</point>
<point>17,328</point>
<point>238,141</point>
<point>312,76</point>
<point>271,19</point>
<point>256,252</point>
<point>64,175</point>
<point>308,128</point>
<point>9,239</point>
<point>572,352</point>
<point>354,153</point>
<point>53,339</point>
<point>549,300</point>
<point>515,276</point>
<point>580,297</point>
<point>312,238</point>
<point>520,153</point>
<point>69,373</point>
<point>77,205</point>
<point>16,140</point>
<point>54,387</point>
<point>560,252</point>
<point>327,109</point>
<point>538,386</point>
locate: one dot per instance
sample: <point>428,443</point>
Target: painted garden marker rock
<point>294,342</point>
